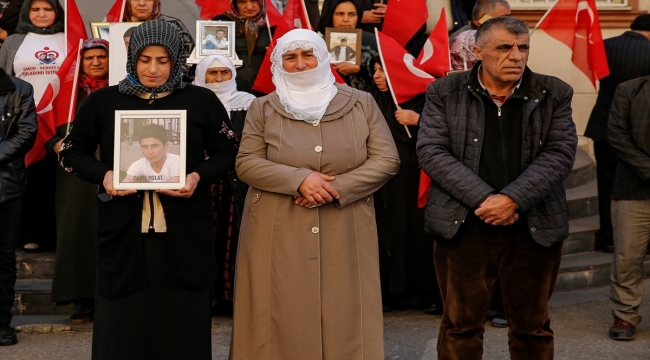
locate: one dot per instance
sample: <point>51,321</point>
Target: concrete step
<point>584,170</point>
<point>35,265</point>
<point>582,201</point>
<point>34,297</point>
<point>582,235</point>
<point>588,270</point>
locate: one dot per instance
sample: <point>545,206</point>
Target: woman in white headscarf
<point>217,73</point>
<point>314,152</point>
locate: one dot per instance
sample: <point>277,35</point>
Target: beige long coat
<point>307,280</point>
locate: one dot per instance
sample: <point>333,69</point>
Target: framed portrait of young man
<point>150,149</point>
<point>344,45</point>
<point>119,38</point>
<point>215,38</point>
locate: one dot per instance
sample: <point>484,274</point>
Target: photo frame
<point>118,54</point>
<point>352,45</point>
<point>215,38</point>
<point>451,72</point>
<point>142,161</point>
<point>100,30</point>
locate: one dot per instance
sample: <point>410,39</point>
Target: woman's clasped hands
<point>316,190</point>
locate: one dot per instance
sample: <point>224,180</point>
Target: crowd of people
<point>298,211</point>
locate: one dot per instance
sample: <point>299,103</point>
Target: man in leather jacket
<point>498,142</point>
<point>17,135</point>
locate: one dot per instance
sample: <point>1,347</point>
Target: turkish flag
<point>295,14</point>
<point>264,80</point>
<point>398,65</point>
<point>434,57</point>
<point>404,18</point>
<point>423,189</point>
<point>575,23</point>
<point>212,8</point>
<point>116,13</point>
<point>57,105</point>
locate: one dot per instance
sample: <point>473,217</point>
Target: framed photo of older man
<point>344,45</point>
<point>215,38</point>
<point>150,149</point>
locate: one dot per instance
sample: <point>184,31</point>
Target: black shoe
<point>622,330</point>
<point>499,321</point>
<point>7,335</point>
<point>432,309</point>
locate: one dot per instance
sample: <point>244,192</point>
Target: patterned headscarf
<point>156,32</point>
<point>155,14</point>
<point>89,83</point>
<point>250,25</point>
<point>25,25</point>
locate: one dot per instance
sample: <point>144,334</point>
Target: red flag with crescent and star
<point>434,57</point>
<point>398,64</point>
<point>576,24</point>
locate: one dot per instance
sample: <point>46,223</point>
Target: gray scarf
<point>159,33</point>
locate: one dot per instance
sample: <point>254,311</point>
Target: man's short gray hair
<point>486,7</point>
<point>509,23</point>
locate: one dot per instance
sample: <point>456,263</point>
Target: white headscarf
<point>304,94</point>
<point>226,91</point>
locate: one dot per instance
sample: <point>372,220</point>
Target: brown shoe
<point>84,313</point>
<point>622,330</point>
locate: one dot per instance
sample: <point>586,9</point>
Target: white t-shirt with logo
<point>142,168</point>
<point>38,59</point>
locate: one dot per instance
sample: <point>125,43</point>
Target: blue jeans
<point>9,225</point>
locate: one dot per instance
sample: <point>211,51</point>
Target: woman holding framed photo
<point>155,252</point>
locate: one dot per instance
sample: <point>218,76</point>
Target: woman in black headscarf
<point>405,250</point>
<point>346,14</point>
<point>251,39</point>
<point>155,251</point>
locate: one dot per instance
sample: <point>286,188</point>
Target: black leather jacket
<point>450,141</point>
<point>18,128</point>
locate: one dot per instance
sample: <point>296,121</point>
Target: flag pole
<point>268,26</point>
<point>390,87</point>
<point>75,88</point>
<point>122,12</point>
<point>306,15</point>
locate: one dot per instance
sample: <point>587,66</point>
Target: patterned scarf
<point>91,84</point>
<point>250,25</point>
<point>155,14</point>
<point>156,32</point>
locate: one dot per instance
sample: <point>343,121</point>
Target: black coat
<point>449,147</point>
<point>17,133</point>
<point>189,221</point>
<point>628,56</point>
<point>629,138</point>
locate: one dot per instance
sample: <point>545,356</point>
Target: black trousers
<point>468,268</point>
<point>9,225</point>
<point>606,163</point>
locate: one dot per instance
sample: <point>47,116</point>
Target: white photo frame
<point>215,38</point>
<point>133,155</point>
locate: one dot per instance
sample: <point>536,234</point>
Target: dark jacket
<point>17,133</point>
<point>9,19</point>
<point>628,56</point>
<point>629,138</point>
<point>121,271</point>
<point>449,149</point>
<point>349,55</point>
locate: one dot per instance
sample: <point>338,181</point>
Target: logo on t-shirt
<point>47,56</point>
